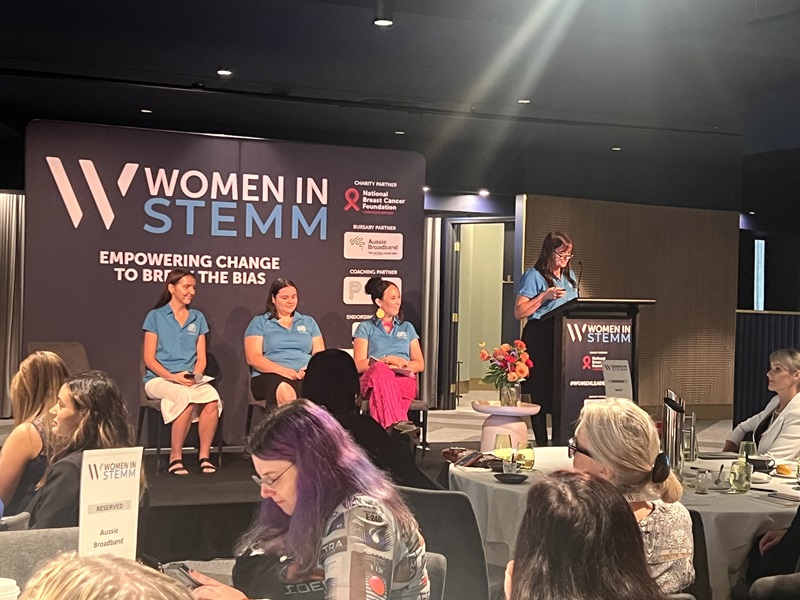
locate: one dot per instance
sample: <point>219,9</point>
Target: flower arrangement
<point>508,364</point>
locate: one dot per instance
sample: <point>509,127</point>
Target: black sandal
<point>205,463</point>
<point>178,466</point>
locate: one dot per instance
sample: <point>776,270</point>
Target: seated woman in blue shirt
<point>548,285</point>
<point>386,350</point>
<point>278,346</point>
<point>175,355</point>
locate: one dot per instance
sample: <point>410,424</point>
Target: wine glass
<point>747,449</point>
<point>502,446</point>
<point>526,455</point>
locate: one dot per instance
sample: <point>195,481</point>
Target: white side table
<point>504,419</point>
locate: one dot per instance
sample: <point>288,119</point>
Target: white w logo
<point>93,181</point>
<point>575,332</point>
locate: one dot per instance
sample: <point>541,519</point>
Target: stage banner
<point>111,210</point>
<point>587,344</point>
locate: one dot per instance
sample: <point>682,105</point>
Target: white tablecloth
<point>731,521</point>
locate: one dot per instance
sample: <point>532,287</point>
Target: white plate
<point>473,469</point>
<point>778,475</point>
<point>760,478</point>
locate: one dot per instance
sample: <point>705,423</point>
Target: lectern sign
<point>587,344</point>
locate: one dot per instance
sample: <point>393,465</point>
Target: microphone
<point>580,274</point>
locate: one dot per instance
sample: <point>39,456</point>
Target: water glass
<point>702,482</point>
<point>526,456</point>
<point>747,449</point>
<point>741,475</point>
<point>509,466</point>
<point>502,446</point>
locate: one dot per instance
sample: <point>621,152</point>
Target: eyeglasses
<point>563,255</point>
<point>269,483</point>
<point>572,448</point>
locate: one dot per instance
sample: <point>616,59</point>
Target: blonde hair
<point>788,358</point>
<point>624,437</point>
<point>34,389</point>
<point>73,577</point>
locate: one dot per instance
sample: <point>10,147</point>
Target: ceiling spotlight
<point>616,149</point>
<point>751,213</point>
<point>145,111</point>
<point>399,132</point>
<point>483,193</point>
<point>425,188</point>
<point>384,13</point>
<point>224,72</point>
<point>523,101</point>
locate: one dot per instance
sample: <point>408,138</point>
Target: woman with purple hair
<point>331,524</point>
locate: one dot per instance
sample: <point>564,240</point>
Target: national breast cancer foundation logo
<point>99,195</point>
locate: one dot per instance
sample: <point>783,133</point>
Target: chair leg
<point>249,420</point>
<point>219,442</point>
<point>142,411</point>
<point>159,427</point>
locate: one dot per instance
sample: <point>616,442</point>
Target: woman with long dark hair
<point>279,344</point>
<point>330,522</point>
<point>548,285</point>
<point>24,456</point>
<point>175,357</point>
<point>387,351</point>
<point>90,415</point>
<point>578,541</point>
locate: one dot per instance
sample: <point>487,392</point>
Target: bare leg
<point>180,429</point>
<point>285,394</point>
<point>207,427</point>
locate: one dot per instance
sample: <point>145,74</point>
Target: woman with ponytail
<point>618,441</point>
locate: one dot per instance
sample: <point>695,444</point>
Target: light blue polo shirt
<point>177,346</point>
<point>533,283</point>
<point>381,343</point>
<point>289,348</point>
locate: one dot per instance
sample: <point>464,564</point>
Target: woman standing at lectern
<point>548,285</point>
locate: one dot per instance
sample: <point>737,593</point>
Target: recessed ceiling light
<point>425,188</point>
<point>483,193</point>
<point>384,13</point>
<point>383,22</point>
<point>146,111</point>
<point>523,101</point>
<point>616,149</point>
<point>399,132</point>
<point>751,213</point>
<point>224,72</point>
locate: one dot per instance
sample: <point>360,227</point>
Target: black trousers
<point>781,559</point>
<point>538,337</point>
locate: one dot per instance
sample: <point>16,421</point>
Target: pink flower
<point>519,344</point>
<point>529,363</point>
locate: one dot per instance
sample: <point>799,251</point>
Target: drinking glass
<point>702,482</point>
<point>526,398</point>
<point>502,446</point>
<point>525,455</point>
<point>509,466</point>
<point>747,449</point>
<point>741,475</point>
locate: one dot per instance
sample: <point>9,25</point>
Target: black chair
<point>701,588</point>
<point>449,526</point>
<point>72,353</point>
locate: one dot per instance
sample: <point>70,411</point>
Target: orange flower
<point>505,348</point>
<point>512,377</point>
<point>522,370</point>
<point>524,357</point>
<point>498,354</point>
<point>485,355</point>
<point>519,344</point>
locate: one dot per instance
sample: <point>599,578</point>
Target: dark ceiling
<point>667,81</point>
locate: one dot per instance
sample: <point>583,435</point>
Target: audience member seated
<point>72,577</point>
<point>330,523</point>
<point>278,346</point>
<point>175,356</point>
<point>387,351</point>
<point>776,552</point>
<point>776,429</point>
<point>23,458</point>
<point>331,381</point>
<point>90,414</point>
<point>578,541</point>
<point>618,441</point>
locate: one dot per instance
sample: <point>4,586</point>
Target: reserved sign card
<point>617,376</point>
<point>109,506</point>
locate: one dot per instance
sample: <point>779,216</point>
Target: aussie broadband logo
<point>372,246</point>
<point>599,333</point>
<point>238,204</point>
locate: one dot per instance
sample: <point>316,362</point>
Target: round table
<point>504,419</point>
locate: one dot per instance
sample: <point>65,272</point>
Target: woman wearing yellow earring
<point>387,351</point>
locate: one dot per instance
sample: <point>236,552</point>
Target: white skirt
<point>176,397</point>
